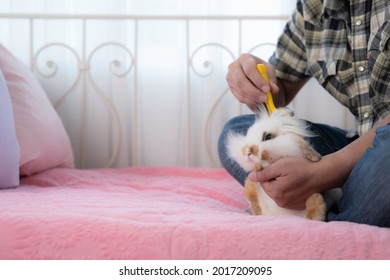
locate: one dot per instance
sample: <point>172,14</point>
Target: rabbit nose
<point>253,150</point>
<point>250,150</point>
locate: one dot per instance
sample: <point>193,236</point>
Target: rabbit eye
<point>267,136</point>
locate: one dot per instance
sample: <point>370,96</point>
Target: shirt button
<point>358,22</point>
<point>366,115</point>
<point>361,68</point>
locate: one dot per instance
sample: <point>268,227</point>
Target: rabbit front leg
<point>251,193</point>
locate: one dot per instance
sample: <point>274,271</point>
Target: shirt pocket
<point>337,77</point>
<point>379,63</point>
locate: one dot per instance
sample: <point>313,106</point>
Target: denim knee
<point>366,193</point>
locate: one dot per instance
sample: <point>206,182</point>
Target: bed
<point>49,209</point>
<point>163,213</point>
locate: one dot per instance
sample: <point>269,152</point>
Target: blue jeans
<point>366,193</point>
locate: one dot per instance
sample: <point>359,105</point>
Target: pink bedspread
<point>163,213</point>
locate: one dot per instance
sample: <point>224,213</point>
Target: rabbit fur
<point>270,138</point>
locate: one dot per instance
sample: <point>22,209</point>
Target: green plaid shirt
<point>345,45</point>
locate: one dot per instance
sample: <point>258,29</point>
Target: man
<point>345,45</point>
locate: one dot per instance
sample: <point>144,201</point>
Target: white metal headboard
<point>84,80</point>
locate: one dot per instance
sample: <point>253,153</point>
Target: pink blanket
<point>163,213</point>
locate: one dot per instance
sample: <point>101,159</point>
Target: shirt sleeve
<point>289,58</point>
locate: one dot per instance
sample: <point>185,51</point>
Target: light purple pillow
<point>9,147</point>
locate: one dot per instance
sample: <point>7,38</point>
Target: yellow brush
<point>269,103</point>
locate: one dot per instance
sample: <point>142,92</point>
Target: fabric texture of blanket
<point>163,213</point>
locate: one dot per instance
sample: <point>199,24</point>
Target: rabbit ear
<point>289,111</point>
<point>260,111</point>
<point>308,152</point>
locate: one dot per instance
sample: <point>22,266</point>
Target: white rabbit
<point>272,137</point>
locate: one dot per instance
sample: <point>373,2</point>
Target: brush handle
<point>269,103</point>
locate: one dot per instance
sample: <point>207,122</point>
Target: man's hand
<point>246,83</point>
<point>288,181</point>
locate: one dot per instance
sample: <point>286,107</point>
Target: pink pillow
<point>42,138</point>
<point>9,147</point>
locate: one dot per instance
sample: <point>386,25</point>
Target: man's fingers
<point>243,88</point>
<point>264,175</point>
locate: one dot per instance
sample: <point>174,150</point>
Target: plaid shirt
<point>345,45</point>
